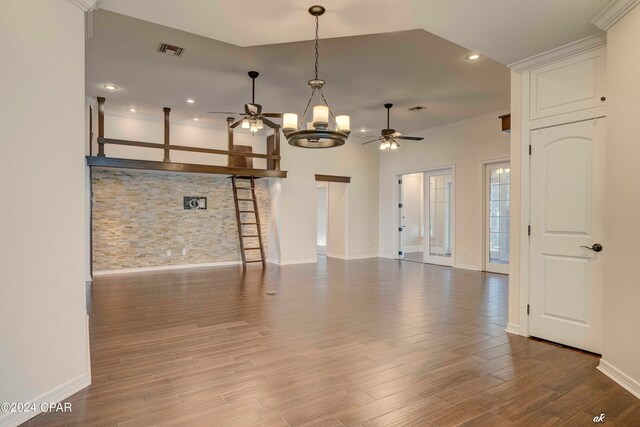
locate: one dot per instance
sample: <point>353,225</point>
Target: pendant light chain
<point>317,47</point>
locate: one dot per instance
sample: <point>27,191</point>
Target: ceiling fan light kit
<point>389,136</point>
<point>254,118</point>
<point>323,130</point>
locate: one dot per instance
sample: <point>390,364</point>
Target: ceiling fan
<point>253,115</point>
<point>389,136</point>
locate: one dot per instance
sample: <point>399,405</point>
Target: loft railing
<point>273,144</point>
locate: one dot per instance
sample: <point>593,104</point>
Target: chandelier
<point>323,130</point>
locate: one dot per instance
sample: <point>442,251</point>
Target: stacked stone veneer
<point>138,216</point>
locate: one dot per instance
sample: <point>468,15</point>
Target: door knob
<point>597,247</point>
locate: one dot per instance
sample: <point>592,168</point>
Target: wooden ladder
<point>242,214</point>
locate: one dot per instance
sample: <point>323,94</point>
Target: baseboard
<point>294,261</point>
<point>512,328</point>
<point>58,394</point>
<point>166,267</point>
<point>352,257</point>
<point>624,380</point>
<point>467,267</point>
<point>366,256</point>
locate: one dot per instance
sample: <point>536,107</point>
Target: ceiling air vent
<point>417,108</point>
<point>170,50</point>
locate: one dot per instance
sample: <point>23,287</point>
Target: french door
<point>439,200</point>
<point>497,210</point>
<point>566,214</point>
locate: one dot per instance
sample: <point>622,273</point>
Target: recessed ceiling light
<point>473,56</point>
<point>191,100</point>
<point>363,130</point>
<point>196,119</point>
<point>133,110</point>
<point>110,86</point>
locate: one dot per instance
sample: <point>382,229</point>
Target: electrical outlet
<point>184,250</point>
<point>168,252</point>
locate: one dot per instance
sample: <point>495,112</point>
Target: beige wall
<point>44,344</point>
<point>139,215</point>
<point>466,145</point>
<point>622,200</point>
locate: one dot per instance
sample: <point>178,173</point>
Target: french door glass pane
<point>440,215</point>
<point>499,207</point>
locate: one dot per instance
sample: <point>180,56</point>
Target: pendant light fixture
<point>321,129</point>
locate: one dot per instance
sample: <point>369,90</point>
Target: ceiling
<point>504,30</point>
<point>407,68</point>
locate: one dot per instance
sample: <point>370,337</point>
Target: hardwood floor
<point>358,343</point>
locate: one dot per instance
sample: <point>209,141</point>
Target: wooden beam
<point>506,122</point>
<point>183,148</point>
<point>100,125</point>
<point>271,150</point>
<point>333,178</point>
<point>167,132</point>
<point>230,138</point>
<point>110,162</point>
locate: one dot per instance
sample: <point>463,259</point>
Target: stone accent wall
<point>138,216</point>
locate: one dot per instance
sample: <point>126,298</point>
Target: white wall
<point>136,127</point>
<point>412,207</point>
<point>464,144</point>
<point>622,200</point>
<point>516,201</point>
<point>299,198</point>
<point>43,319</point>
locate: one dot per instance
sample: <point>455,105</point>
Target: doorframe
<point>396,197</point>
<point>483,203</point>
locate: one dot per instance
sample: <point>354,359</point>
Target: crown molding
<point>573,48</point>
<point>611,14</point>
<point>85,5</point>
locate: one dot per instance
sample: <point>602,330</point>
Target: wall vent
<point>417,108</point>
<point>170,50</point>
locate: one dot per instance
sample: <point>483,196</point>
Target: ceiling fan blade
<point>396,134</point>
<point>411,138</point>
<point>275,115</point>
<point>225,112</point>
<point>373,140</point>
<point>269,123</point>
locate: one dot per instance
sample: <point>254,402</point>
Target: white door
<point>497,211</point>
<point>567,175</point>
<point>438,242</point>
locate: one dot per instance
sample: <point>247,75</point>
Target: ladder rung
<point>248,223</point>
<point>252,249</point>
<point>244,188</point>
<point>254,260</point>
<point>251,200</point>
<point>250,235</point>
<point>247,211</point>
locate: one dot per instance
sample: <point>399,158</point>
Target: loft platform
<point>112,162</point>
<point>239,157</point>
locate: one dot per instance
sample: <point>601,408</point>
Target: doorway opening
<point>332,219</point>
<point>322,204</point>
<point>426,216</point>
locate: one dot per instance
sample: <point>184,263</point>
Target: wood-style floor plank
<point>342,343</point>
